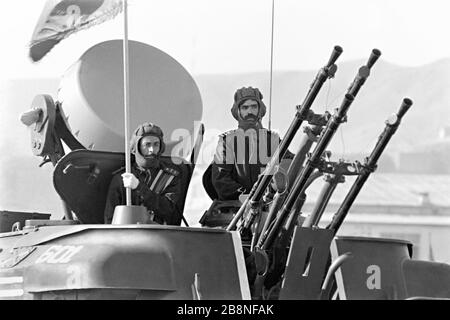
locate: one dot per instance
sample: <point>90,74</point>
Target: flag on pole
<point>61,18</point>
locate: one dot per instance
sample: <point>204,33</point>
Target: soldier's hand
<point>130,181</point>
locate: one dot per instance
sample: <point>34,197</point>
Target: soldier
<point>242,154</point>
<point>154,184</point>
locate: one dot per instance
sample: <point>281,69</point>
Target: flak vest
<point>256,148</point>
<point>247,152</point>
<point>163,179</point>
<point>158,185</point>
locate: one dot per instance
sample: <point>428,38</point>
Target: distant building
<point>399,206</point>
<point>425,162</point>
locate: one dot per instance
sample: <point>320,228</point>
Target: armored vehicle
<point>262,250</point>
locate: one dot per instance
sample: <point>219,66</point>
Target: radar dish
<point>161,91</point>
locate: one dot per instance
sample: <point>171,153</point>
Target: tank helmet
<point>143,130</point>
<point>243,94</point>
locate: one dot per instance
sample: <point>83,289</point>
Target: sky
<point>234,36</point>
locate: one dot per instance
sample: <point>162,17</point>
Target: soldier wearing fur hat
<point>242,154</point>
<point>155,184</point>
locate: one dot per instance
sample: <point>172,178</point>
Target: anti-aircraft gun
<point>278,229</point>
<point>292,257</point>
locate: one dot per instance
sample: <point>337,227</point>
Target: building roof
<point>393,219</point>
<point>391,189</point>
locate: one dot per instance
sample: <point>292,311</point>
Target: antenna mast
<point>271,65</point>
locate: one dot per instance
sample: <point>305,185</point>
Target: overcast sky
<point>217,36</point>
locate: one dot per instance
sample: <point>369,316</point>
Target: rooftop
<point>390,189</point>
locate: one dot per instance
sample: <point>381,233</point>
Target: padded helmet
<point>242,95</point>
<point>146,129</point>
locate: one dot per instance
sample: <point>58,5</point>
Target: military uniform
<point>242,154</point>
<point>240,158</point>
<point>159,190</point>
<point>159,187</point>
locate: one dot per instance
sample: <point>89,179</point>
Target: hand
<point>130,181</point>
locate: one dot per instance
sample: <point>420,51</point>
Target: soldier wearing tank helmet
<point>155,184</point>
<point>242,154</point>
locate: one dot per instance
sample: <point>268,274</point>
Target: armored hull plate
<point>125,262</point>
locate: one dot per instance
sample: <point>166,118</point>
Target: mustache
<point>250,117</point>
<point>151,156</point>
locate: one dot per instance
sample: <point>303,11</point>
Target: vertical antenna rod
<point>126,96</point>
<point>271,65</point>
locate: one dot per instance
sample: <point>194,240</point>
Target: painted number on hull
<point>59,254</point>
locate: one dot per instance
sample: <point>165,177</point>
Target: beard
<point>147,162</point>
<point>152,161</point>
<point>246,124</point>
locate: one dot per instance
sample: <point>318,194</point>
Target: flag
<point>61,18</point>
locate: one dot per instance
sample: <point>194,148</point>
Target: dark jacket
<point>159,190</point>
<point>241,156</point>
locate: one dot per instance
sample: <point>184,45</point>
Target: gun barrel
<point>369,166</point>
<point>364,73</point>
<point>321,203</point>
<point>305,145</point>
<point>337,51</point>
<point>302,113</point>
<point>332,126</point>
<point>348,99</point>
<point>302,180</point>
<point>373,58</point>
<point>325,139</point>
<point>392,125</point>
<point>406,104</point>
